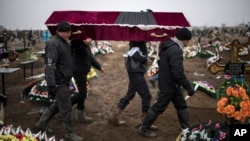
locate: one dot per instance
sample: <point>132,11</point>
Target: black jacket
<point>137,58</point>
<point>58,62</point>
<point>83,58</point>
<point>171,71</point>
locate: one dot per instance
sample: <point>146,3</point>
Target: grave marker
<point>233,67</point>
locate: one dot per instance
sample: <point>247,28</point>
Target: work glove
<point>191,92</point>
<point>52,92</point>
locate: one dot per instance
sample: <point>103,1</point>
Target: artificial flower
<point>231,81</point>
<point>210,131</point>
<point>235,105</point>
<point>9,133</point>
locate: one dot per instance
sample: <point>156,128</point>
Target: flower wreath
<point>235,105</point>
<point>205,132</point>
<point>205,87</point>
<point>9,133</point>
<point>231,81</point>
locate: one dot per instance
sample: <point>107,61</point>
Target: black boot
<point>152,127</point>
<point>183,118</point>
<point>81,117</point>
<point>144,129</point>
<point>44,120</point>
<point>70,135</point>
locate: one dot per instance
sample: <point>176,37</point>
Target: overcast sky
<point>32,14</point>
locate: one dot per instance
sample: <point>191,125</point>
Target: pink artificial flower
<point>208,45</point>
<point>200,127</point>
<point>227,77</point>
<point>217,43</point>
<point>194,129</point>
<point>71,88</point>
<point>222,135</point>
<point>217,125</point>
<point>209,122</point>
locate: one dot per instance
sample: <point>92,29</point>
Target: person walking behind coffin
<point>83,59</point>
<point>58,73</point>
<point>153,79</point>
<point>136,65</point>
<point>171,79</point>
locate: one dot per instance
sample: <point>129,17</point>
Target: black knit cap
<point>183,34</point>
<point>63,26</point>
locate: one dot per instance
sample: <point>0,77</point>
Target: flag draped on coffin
<point>120,26</point>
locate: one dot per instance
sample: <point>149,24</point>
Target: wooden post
<point>5,39</point>
<point>24,40</point>
<point>235,47</point>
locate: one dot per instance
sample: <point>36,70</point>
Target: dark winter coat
<point>137,58</point>
<point>171,70</point>
<point>58,62</point>
<point>83,58</point>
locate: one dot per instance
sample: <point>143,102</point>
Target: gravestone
<point>232,67</point>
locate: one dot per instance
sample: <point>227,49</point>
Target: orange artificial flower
<point>230,115</point>
<point>235,92</point>
<point>244,113</point>
<point>222,102</point>
<point>245,97</point>
<point>242,90</point>
<point>229,91</point>
<point>244,105</point>
<point>237,115</point>
<point>220,109</point>
<point>229,109</point>
<point>235,105</point>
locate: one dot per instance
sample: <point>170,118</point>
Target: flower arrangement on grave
<point>28,88</point>
<point>235,105</point>
<point>205,87</point>
<point>37,89</point>
<point>190,51</point>
<point>105,47</point>
<point>101,47</point>
<point>231,81</point>
<point>208,131</point>
<point>205,54</point>
<point>39,92</point>
<point>9,133</point>
<point>208,54</point>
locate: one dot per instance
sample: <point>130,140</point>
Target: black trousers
<point>137,83</point>
<point>79,98</point>
<point>165,98</point>
<point>62,103</point>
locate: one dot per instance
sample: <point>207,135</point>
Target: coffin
<point>119,26</point>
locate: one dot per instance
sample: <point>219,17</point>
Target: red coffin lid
<point>101,25</point>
